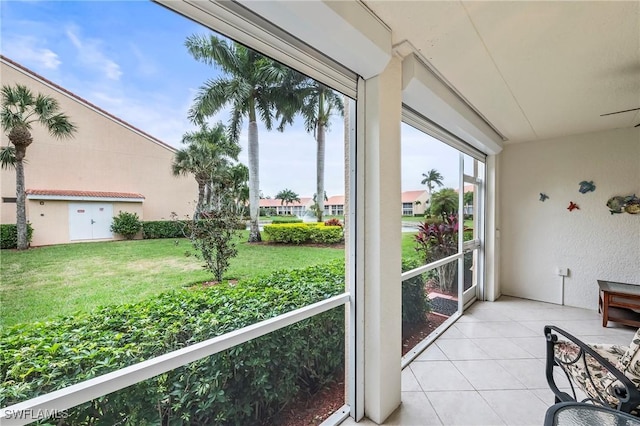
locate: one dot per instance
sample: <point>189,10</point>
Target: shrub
<point>333,222</point>
<point>9,236</point>
<point>415,301</point>
<point>467,234</point>
<point>437,241</point>
<point>164,229</point>
<point>285,219</point>
<point>293,233</point>
<point>326,234</point>
<point>299,233</point>
<point>212,235</point>
<point>243,385</point>
<point>126,224</point>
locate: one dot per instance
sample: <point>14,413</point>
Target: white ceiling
<point>534,70</point>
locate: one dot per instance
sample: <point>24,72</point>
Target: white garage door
<point>90,221</point>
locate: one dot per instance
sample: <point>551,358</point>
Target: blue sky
<point>129,59</point>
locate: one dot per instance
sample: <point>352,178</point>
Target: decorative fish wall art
<point>586,187</point>
<point>624,204</point>
<point>572,206</point>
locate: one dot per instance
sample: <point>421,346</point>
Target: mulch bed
<point>314,409</point>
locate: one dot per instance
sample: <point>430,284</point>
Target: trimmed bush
<point>294,233</point>
<point>9,236</point>
<point>285,219</point>
<point>300,233</point>
<point>244,385</point>
<point>325,234</point>
<point>415,301</point>
<point>126,224</point>
<point>163,229</point>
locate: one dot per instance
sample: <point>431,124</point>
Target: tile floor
<point>488,368</point>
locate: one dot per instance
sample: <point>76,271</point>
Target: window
<point>446,259</point>
<point>407,209</point>
<point>282,154</point>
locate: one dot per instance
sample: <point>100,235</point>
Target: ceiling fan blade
<point>618,112</point>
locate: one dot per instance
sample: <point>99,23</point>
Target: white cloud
<point>27,50</point>
<point>90,53</point>
<point>146,65</point>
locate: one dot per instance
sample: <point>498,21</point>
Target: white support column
<point>382,242</point>
<point>492,235</point>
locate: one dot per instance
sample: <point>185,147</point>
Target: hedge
<point>415,301</point>
<point>244,385</point>
<point>299,233</point>
<point>171,229</point>
<point>9,236</point>
<point>163,229</point>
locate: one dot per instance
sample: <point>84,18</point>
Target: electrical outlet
<point>563,272</point>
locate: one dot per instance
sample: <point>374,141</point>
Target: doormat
<point>444,306</point>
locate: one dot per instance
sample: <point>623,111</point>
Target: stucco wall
<point>104,155</point>
<point>50,220</point>
<point>537,237</point>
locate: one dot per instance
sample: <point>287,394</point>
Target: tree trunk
<point>320,171</point>
<point>254,183</point>
<point>200,205</point>
<point>21,208</point>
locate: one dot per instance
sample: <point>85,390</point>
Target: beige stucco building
<point>75,187</point>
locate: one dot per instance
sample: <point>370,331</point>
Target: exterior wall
<point>538,237</point>
<point>50,219</point>
<point>418,208</point>
<point>414,202</point>
<point>104,155</point>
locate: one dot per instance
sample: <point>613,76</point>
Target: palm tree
<point>316,103</point>
<point>251,85</point>
<point>20,109</point>
<point>208,150</point>
<point>287,196</point>
<point>430,178</point>
<point>444,202</point>
<point>315,207</point>
<point>239,176</point>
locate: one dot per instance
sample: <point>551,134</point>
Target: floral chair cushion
<point>588,374</point>
<point>594,379</point>
<point>629,362</point>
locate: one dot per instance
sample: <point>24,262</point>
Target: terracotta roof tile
<point>335,200</point>
<point>76,193</point>
<point>411,196</point>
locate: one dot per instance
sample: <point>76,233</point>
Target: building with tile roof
<point>74,187</point>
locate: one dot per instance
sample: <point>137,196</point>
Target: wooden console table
<point>619,302</point>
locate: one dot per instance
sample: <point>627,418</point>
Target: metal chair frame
<point>624,390</point>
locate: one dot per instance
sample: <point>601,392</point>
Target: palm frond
<point>45,107</point>
<point>212,50</point>
<point>7,157</point>
<point>265,109</point>
<point>10,119</point>
<point>235,123</point>
<point>19,96</point>
<point>59,126</point>
<point>211,97</point>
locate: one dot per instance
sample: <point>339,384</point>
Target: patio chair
<point>608,374</point>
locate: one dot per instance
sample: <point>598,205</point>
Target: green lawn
<point>45,282</point>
